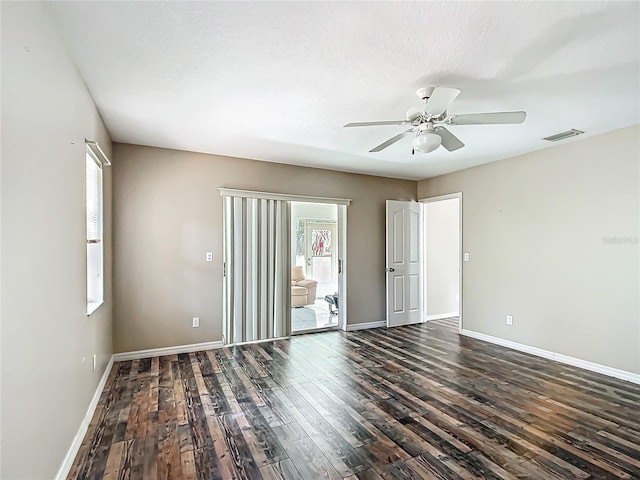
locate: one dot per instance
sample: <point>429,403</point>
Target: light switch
<point>209,257</point>
<point>466,257</point>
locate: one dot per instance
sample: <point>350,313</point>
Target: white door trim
<point>439,198</point>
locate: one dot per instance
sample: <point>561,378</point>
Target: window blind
<point>94,200</point>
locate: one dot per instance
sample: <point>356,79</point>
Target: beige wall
<point>442,251</point>
<point>46,115</point>
<point>536,227</point>
<point>167,213</point>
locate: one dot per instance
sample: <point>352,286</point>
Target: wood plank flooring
<point>415,402</point>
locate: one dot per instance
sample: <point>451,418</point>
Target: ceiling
<point>276,81</point>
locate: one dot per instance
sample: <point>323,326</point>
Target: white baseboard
<point>158,352</point>
<point>67,463</point>
<point>365,326</point>
<point>65,467</point>
<point>559,357</point>
<point>440,316</point>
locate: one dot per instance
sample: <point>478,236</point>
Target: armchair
<point>303,290</point>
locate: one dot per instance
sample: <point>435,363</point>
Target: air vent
<point>561,136</point>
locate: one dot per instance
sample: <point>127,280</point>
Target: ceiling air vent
<point>562,135</point>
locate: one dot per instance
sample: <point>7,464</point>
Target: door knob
<point>391,269</point>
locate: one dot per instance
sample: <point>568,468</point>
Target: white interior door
<point>404,263</point>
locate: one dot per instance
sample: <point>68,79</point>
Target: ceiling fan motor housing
<point>414,113</point>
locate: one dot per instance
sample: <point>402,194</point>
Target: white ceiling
<point>276,81</point>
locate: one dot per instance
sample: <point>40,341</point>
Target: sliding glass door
<point>284,264</point>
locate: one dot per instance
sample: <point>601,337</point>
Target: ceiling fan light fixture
<point>426,142</point>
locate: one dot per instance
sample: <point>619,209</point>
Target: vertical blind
<point>257,241</point>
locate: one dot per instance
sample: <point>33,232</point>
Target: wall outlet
<point>196,322</point>
<point>509,319</point>
<point>209,257</point>
<point>95,362</point>
<point>466,256</point>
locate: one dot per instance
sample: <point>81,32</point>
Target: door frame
<point>341,258</point>
<point>439,198</point>
<point>341,203</point>
<point>342,266</point>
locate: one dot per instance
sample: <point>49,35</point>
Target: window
<point>95,160</point>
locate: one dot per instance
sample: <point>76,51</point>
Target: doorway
<point>442,259</point>
<point>261,268</point>
<point>315,267</point>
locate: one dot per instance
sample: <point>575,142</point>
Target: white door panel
<point>404,263</point>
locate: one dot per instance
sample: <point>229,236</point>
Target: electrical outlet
<point>196,322</point>
<point>466,256</point>
<point>95,361</point>
<point>509,320</point>
<point>209,257</point>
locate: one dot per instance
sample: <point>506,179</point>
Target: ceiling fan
<point>427,121</point>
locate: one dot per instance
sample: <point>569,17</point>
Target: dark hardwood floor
<point>410,402</point>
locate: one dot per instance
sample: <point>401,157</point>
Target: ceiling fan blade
<point>373,124</point>
<point>440,100</point>
<point>449,140</point>
<point>391,141</point>
<point>496,118</point>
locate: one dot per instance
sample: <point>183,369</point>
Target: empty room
<point>319,240</point>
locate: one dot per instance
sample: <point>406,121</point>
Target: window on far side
<point>95,244</point>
